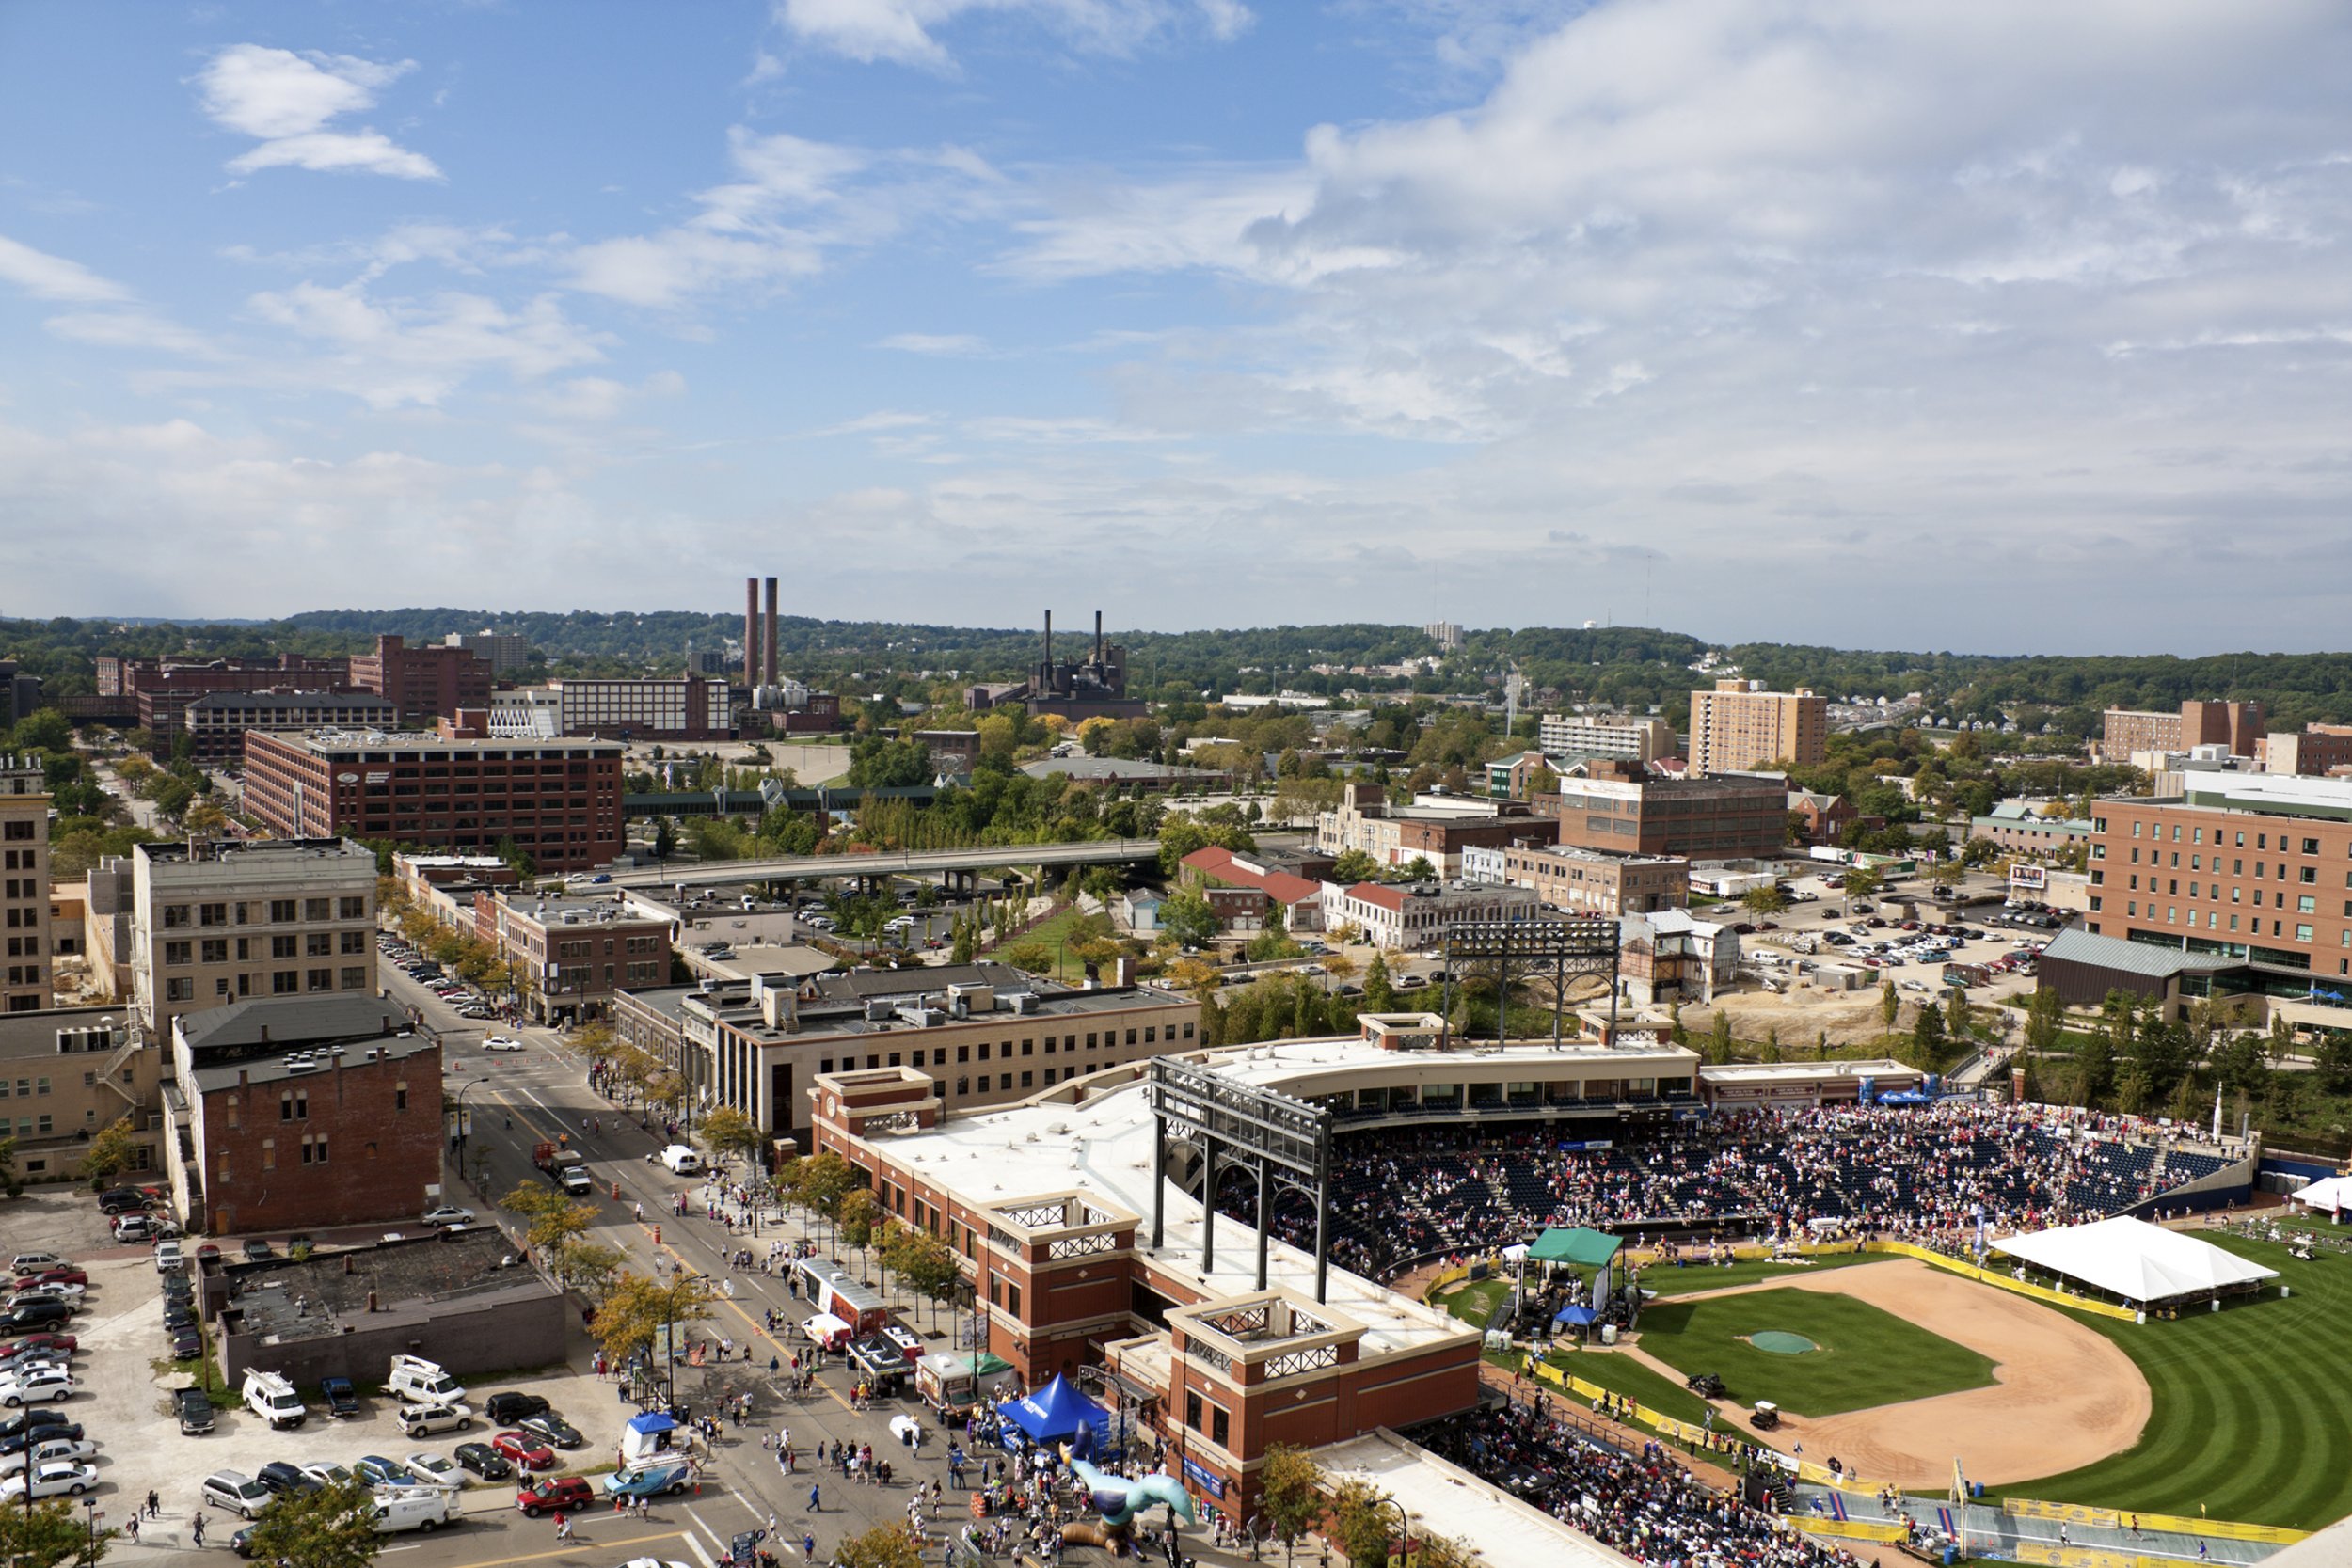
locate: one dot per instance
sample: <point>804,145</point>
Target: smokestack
<point>1049,644</point>
<point>769,679</point>
<point>751,631</point>
<point>1098,637</point>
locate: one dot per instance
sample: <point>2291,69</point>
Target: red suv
<point>571,1495</point>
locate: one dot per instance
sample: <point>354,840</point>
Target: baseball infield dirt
<point>2063,1395</point>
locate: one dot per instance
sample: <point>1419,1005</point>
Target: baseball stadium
<point>1599,1300</point>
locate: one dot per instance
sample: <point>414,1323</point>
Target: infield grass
<point>1667,1280</point>
<point>1864,1356</point>
<point>1475,1301</point>
<point>2252,1415</point>
<point>1621,1374</point>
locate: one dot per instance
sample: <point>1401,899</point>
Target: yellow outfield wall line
<point>2168,1523</point>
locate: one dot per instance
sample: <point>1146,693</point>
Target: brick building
<point>990,1033</point>
<point>215,922</point>
<point>2235,725</point>
<point>1399,916</point>
<point>1825,816</point>
<point>1585,881</point>
<point>25,954</point>
<point>215,723</point>
<point>1619,811</point>
<point>304,1113</point>
<point>153,694</point>
<point>2315,751</point>
<point>1739,725</point>
<point>1622,739</point>
<point>559,801</point>
<point>425,683</point>
<point>1242,890</point>
<point>578,951</point>
<point>681,707</point>
<point>1436,828</point>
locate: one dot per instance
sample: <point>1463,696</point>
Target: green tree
<point>1379,991</point>
<point>883,1546</point>
<point>1927,1038</point>
<point>1955,1012</point>
<point>1890,1004</point>
<point>1354,867</point>
<point>1361,1523</point>
<point>48,1535</point>
<point>2045,1021</point>
<point>1719,1037</point>
<point>859,1214</point>
<point>11,1181</point>
<point>1764,900</point>
<point>664,838</point>
<point>1289,1492</point>
<point>551,1220</point>
<point>729,1134</point>
<point>111,1150</point>
<point>1418,869</point>
<point>1032,956</point>
<point>1186,916</point>
<point>925,1265</point>
<point>637,1309</point>
<point>1859,881</point>
<point>331,1528</point>
<point>589,1267</point>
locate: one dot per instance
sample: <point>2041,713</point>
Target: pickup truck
<point>565,1167</point>
<point>342,1398</point>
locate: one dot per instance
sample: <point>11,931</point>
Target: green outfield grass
<point>1866,1357</point>
<point>1474,1301</point>
<point>1667,1280</point>
<point>1621,1374</point>
<point>2252,1406</point>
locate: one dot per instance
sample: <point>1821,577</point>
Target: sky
<point>1995,327</point>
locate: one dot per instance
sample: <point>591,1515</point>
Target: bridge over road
<point>912,862</point>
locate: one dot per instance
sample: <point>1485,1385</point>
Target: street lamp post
<point>462,1128</point>
<point>1404,1526</point>
<point>89,1512</point>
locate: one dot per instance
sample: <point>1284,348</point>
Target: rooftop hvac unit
<point>880,1009</point>
<point>1024,1001</point>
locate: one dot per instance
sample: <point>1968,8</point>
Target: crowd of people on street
<point>1922,1174</point>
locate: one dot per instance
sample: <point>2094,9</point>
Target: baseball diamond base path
<point>2063,1397</point>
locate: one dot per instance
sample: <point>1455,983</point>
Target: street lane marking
<point>574,1550</point>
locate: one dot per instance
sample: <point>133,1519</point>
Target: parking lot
<point>123,1377</point>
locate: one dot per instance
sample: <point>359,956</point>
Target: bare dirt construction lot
<point>2063,1395</point>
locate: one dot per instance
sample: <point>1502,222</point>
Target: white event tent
<point>2136,1261</point>
<point>2334,1192</point>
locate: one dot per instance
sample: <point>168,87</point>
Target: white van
<point>33,1262</point>
<point>415,1381</point>
<point>414,1508</point>
<point>824,1329</point>
<point>269,1395</point>
<point>682,1160</point>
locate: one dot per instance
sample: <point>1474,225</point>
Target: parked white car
<point>448,1213</point>
<point>501,1042</point>
<point>57,1450</point>
<point>52,1481</point>
<point>41,1386</point>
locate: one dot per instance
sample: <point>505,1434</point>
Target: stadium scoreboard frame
<point>1579,944</point>
<point>1276,1136</point>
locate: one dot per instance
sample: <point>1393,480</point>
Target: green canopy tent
<point>1581,1249</point>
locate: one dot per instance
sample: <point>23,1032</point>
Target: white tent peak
<point>2136,1261</point>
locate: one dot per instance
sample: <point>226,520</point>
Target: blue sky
<point>1995,327</point>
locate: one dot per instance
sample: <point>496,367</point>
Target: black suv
<point>342,1398</point>
<point>284,1480</point>
<point>505,1409</point>
<point>28,1315</point>
<point>195,1411</point>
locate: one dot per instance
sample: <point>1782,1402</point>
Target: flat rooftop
<point>839,1005</point>
<point>1450,1501</point>
<point>1102,1146</point>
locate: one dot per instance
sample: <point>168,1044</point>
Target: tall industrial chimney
<point>751,631</point>
<point>1049,644</point>
<point>770,666</point>
<point>1098,637</point>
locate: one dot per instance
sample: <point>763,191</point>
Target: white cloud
<point>285,99</point>
<point>953,345</point>
<point>417,352</point>
<point>46,277</point>
<point>794,202</point>
<point>905,32</point>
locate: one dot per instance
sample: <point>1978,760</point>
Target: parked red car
<point>524,1449</point>
<point>62,1275</point>
<point>571,1494</point>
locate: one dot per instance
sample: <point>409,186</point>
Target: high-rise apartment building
<point>24,953</point>
<point>2235,725</point>
<point>507,651</point>
<point>216,923</point>
<point>1741,725</point>
<point>1625,739</point>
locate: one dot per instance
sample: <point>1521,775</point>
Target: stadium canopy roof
<point>2135,1261</point>
<point>1586,1248</point>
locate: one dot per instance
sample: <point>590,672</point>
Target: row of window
<point>18,860</point>
<point>317,944</point>
<point>1096,1039</point>
<point>27,1088</point>
<point>24,947</point>
<point>282,982</point>
<point>2238,867</point>
<point>2297,843</point>
<point>276,912</point>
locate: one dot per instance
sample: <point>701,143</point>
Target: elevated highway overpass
<point>909,862</point>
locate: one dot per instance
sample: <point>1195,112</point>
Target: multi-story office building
<point>507,651</point>
<point>1726,819</point>
<point>1435,828</point>
<point>1741,725</point>
<point>1403,917</point>
<point>559,801</point>
<point>686,707</point>
<point>26,955</point>
<point>215,723</point>
<point>2316,751</point>
<point>66,1073</point>
<point>216,923</point>
<point>1569,736</point>
<point>154,693</point>
<point>425,683</point>
<point>1445,634</point>
<point>2235,725</point>
<point>1585,881</point>
<point>990,1034</point>
<point>20,693</point>
<point>578,951</point>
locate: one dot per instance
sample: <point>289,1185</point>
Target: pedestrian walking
<point>154,1506</point>
<point>200,1530</point>
<point>133,1530</point>
<point>813,1505</point>
<point>808,1546</point>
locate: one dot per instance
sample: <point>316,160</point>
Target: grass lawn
<point>1864,1358</point>
<point>1621,1374</point>
<point>1667,1280</point>
<point>1474,1303</point>
<point>1070,922</point>
<point>2252,1412</point>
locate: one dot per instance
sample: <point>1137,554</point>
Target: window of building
<point>284,982</point>
<point>282,908</point>
<point>322,979</point>
<point>2307,905</point>
<point>1218,1426</point>
<point>353,908</point>
<point>1192,1409</point>
<point>2311,846</point>
<point>283,947</point>
<point>176,951</point>
<point>1130,1037</point>
<point>1150,1034</point>
<point>183,990</point>
<point>2302,933</point>
<point>1028,1079</point>
<point>269,1155</point>
<point>1004,1081</point>
<point>319,944</point>
<point>400,1095</point>
<point>315,1149</point>
<point>216,950</point>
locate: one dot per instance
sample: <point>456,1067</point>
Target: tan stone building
<point>1585,881</point>
<point>24,953</point>
<point>1741,725</point>
<point>220,922</point>
<point>2235,725</point>
<point>65,1074</point>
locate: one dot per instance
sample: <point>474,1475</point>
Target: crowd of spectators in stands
<point>1641,1503</point>
<point>1920,1173</point>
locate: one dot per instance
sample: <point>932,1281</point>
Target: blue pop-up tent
<point>1581,1317</point>
<point>1055,1412</point>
